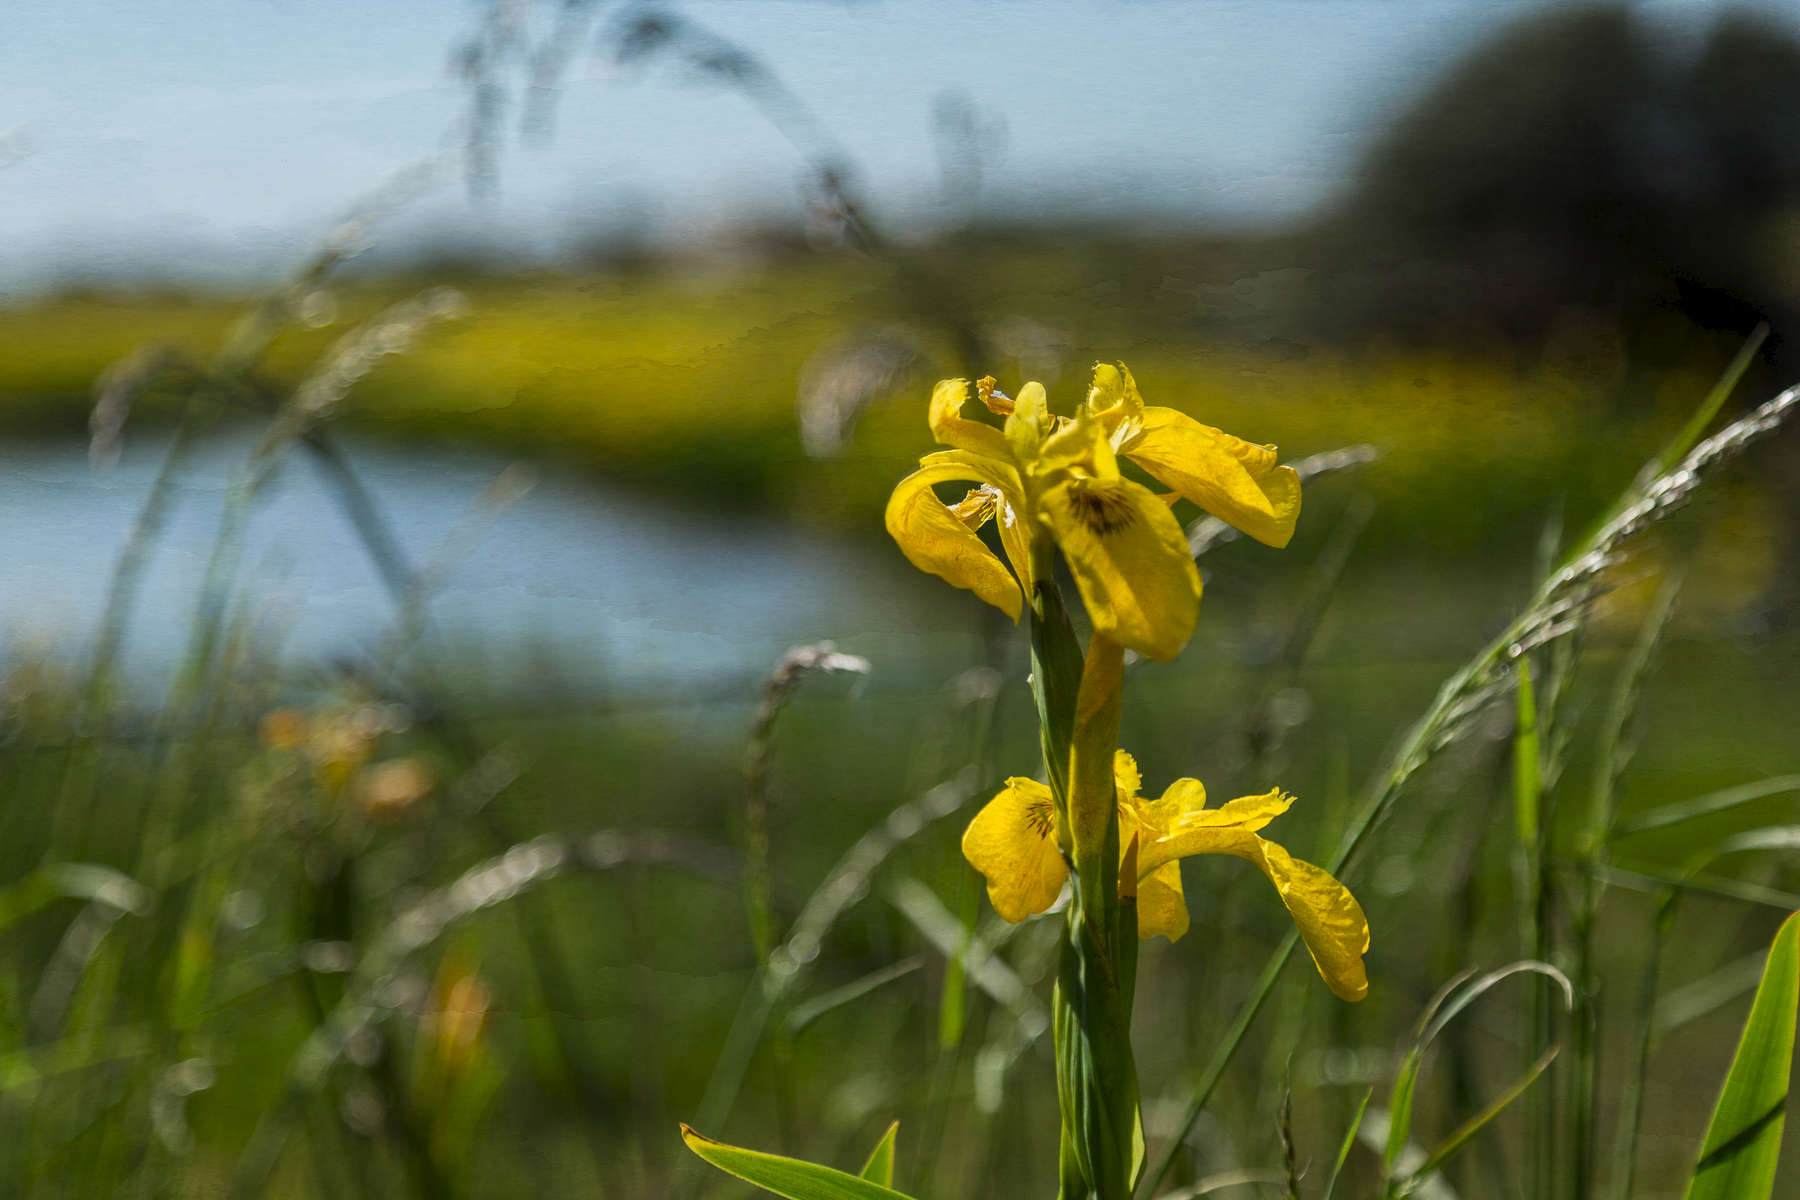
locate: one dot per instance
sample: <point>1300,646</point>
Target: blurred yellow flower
<point>451,1029</point>
<point>388,792</point>
<point>284,729</point>
<point>1050,477</point>
<point>1013,843</point>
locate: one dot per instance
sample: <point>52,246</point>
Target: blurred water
<point>607,585</point>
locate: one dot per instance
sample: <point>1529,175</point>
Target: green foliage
<point>794,1178</point>
<point>1743,1140</point>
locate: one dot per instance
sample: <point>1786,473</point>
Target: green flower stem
<point>1055,680</point>
<point>1101,1147</point>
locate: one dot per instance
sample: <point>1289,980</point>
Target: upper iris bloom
<point>1049,479</point>
<point>1013,842</point>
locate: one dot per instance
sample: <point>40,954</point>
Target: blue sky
<point>223,136</point>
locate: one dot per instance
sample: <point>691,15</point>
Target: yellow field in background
<point>686,380</point>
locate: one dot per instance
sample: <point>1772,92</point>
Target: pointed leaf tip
<point>1742,1149</point>
<point>880,1167</point>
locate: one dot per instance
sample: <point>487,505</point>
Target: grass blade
<point>1402,1161</point>
<point>1343,1154</point>
<point>1474,1125</point>
<point>805,1013</point>
<point>1743,1140</point>
<point>791,1177</point>
<point>1709,408</point>
<point>72,881</point>
<point>1707,995</point>
<point>880,1167</point>
<point>1707,805</point>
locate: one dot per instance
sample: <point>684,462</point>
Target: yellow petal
<point>936,542</point>
<point>1161,909</point>
<point>1234,480</point>
<point>1015,534</point>
<point>1012,842</point>
<point>950,427</point>
<point>1029,423</point>
<point>992,399</point>
<point>1330,920</point>
<point>1130,559</point>
<point>1179,825</point>
<point>1126,776</point>
<point>1163,813</point>
<point>1080,447</point>
<point>1246,812</point>
<point>1113,398</point>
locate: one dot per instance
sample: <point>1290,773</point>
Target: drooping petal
<point>1161,909</point>
<point>1012,842</point>
<point>1130,559</point>
<point>1234,480</point>
<point>935,540</point>
<point>951,428</point>
<point>1330,920</point>
<point>1015,533</point>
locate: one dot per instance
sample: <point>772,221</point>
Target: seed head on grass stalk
<point>794,665</point>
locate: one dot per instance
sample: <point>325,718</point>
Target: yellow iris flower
<point>1013,842</point>
<point>1048,476</point>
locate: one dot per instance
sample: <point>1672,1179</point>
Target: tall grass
<point>267,932</point>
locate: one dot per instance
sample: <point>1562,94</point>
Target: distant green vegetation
<point>684,379</point>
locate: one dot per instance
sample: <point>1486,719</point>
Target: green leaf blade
<point>880,1167</point>
<point>793,1178</point>
<point>1743,1139</point>
<point>1343,1154</point>
<point>1528,789</point>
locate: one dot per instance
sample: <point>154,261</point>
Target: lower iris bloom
<point>1013,843</point>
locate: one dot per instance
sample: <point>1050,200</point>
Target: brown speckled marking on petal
<point>1103,510</point>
